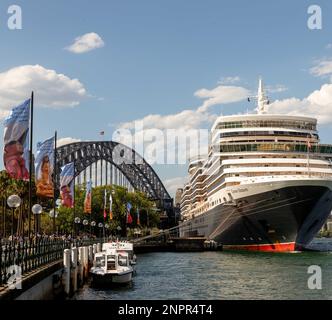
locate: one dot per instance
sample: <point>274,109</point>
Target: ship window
<point>122,260</point>
<point>100,261</point>
<point>111,262</point>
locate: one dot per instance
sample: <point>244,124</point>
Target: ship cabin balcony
<point>268,133</point>
<point>267,121</point>
<point>238,177</point>
<point>277,147</point>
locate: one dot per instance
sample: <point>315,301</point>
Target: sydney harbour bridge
<point>109,162</point>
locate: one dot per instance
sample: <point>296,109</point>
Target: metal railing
<point>24,256</point>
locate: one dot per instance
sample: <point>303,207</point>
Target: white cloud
<point>318,105</point>
<point>229,80</point>
<point>51,89</point>
<point>193,119</point>
<point>186,119</point>
<point>276,88</point>
<point>322,68</point>
<point>174,183</point>
<point>67,140</point>
<point>185,122</point>
<point>221,95</point>
<point>87,42</point>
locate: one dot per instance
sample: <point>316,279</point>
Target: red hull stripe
<point>276,247</point>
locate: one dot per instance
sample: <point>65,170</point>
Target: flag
<point>88,196</point>
<point>102,133</point>
<point>138,220</point>
<point>105,204</point>
<point>44,166</point>
<point>129,219</point>
<point>67,185</point>
<point>111,203</point>
<point>16,142</point>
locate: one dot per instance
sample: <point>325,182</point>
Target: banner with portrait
<point>44,166</point>
<point>88,198</point>
<point>16,142</point>
<point>67,185</point>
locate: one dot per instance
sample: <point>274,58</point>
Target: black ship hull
<point>285,219</point>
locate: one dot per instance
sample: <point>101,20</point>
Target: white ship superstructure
<point>252,157</point>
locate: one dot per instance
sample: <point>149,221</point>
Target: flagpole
<point>55,180</point>
<point>74,196</point>
<point>30,162</point>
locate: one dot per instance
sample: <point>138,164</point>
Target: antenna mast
<point>262,100</point>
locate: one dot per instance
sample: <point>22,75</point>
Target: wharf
<point>189,244</point>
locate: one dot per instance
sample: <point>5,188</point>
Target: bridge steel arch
<point>138,172</point>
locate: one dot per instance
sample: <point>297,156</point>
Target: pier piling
<point>74,268</point>
<point>66,274</point>
<point>80,268</point>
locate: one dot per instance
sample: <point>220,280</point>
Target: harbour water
<point>224,275</point>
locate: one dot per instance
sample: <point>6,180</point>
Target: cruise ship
<point>265,185</point>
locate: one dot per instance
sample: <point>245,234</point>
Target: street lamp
<point>37,209</point>
<point>106,227</point>
<point>51,214</point>
<point>13,201</point>
<point>85,223</point>
<point>92,225</point>
<point>77,221</point>
<point>100,225</point>
<point>119,229</point>
<point>58,202</point>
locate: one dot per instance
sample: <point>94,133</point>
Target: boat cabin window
<point>111,262</point>
<point>122,261</point>
<point>100,261</point>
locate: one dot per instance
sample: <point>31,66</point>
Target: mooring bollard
<point>81,265</point>
<point>86,262</point>
<point>74,268</point>
<point>66,265</point>
<point>90,256</point>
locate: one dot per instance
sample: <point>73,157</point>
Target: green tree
<point>120,196</point>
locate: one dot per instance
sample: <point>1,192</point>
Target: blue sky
<point>157,54</point>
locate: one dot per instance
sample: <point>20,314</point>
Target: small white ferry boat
<point>121,246</point>
<point>111,267</point>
